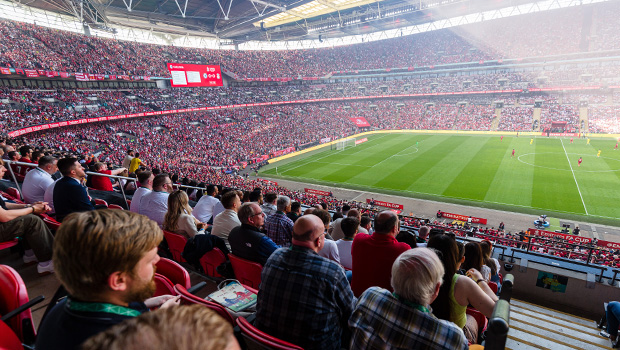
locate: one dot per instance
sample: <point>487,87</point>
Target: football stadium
<point>309,174</point>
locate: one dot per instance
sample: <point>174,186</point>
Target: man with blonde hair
<point>404,318</point>
<point>105,259</point>
<point>169,328</point>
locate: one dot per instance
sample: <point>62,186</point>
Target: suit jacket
<point>70,197</point>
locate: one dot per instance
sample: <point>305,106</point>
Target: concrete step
<point>536,327</point>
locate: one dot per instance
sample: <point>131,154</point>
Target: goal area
<point>344,144</point>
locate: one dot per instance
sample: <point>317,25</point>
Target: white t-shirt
<point>204,208</point>
<point>49,195</point>
<point>224,223</point>
<point>344,250</point>
<point>137,196</point>
<point>35,183</point>
<point>330,251</point>
<point>154,205</point>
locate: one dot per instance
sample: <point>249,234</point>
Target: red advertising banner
<point>112,77</point>
<point>361,122</point>
<point>283,151</point>
<point>385,204</point>
<point>607,244</point>
<point>549,234</point>
<point>459,217</point>
<point>357,142</point>
<point>193,75</point>
<point>318,192</point>
<point>81,77</point>
<point>64,74</point>
<point>31,73</point>
<point>5,70</point>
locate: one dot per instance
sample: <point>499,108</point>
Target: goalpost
<point>344,144</point>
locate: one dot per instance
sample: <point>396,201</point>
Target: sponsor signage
<point>318,192</point>
<point>607,244</point>
<point>357,142</point>
<point>460,217</point>
<point>570,238</point>
<point>385,204</point>
<point>360,122</point>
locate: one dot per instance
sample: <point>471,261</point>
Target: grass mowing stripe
<point>576,183</point>
<point>537,179</point>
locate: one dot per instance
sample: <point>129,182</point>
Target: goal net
<point>344,144</point>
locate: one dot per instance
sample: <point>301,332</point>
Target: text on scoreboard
<point>193,75</point>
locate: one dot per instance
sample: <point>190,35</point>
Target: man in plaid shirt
<point>403,319</point>
<point>278,226</point>
<point>304,298</point>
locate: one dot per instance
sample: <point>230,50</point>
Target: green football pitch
<point>543,176</point>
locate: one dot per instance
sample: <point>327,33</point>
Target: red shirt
<point>373,257</point>
<point>101,182</point>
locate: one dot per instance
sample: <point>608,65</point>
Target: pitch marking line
<point>573,172</point>
<point>306,162</point>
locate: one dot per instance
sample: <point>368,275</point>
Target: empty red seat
<point>211,260</point>
<point>257,339</point>
<point>176,244</point>
<point>247,272</point>
<point>13,294</point>
<point>176,273</point>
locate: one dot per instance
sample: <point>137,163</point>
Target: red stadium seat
<point>9,244</point>
<point>481,320</point>
<point>188,299</point>
<point>176,273</point>
<point>9,340</point>
<point>247,272</point>
<point>211,260</point>
<point>115,206</point>
<point>13,192</point>
<point>51,223</point>
<point>163,285</point>
<point>99,201</point>
<point>13,294</point>
<point>256,339</point>
<point>176,244</point>
<point>493,286</point>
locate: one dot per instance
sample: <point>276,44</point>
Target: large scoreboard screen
<point>193,75</point>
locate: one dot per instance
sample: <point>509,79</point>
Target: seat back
<point>13,192</point>
<point>9,244</point>
<point>256,339</point>
<point>51,223</point>
<point>163,285</point>
<point>187,299</point>
<point>481,320</point>
<point>211,260</point>
<point>247,272</point>
<point>115,206</point>
<point>176,273</point>
<point>176,244</point>
<point>99,201</point>
<point>13,293</point>
<point>9,340</point>
<point>493,286</point>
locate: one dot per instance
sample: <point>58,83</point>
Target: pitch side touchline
<point>574,178</point>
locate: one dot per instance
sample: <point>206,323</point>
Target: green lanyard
<point>412,304</point>
<point>102,307</point>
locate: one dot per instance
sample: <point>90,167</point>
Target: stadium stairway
<point>537,327</point>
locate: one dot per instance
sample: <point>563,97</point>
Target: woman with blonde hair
<point>179,217</point>
<point>179,220</point>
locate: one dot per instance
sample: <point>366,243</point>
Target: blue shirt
<point>279,228</point>
<point>304,299</point>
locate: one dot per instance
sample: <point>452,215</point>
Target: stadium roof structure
<point>238,21</point>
